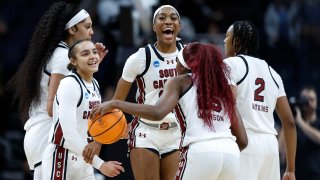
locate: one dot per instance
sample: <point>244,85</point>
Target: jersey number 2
<point>257,96</point>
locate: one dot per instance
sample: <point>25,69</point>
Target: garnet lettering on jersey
<point>93,104</point>
<point>159,84</point>
<point>165,73</point>
<point>258,107</point>
<point>86,114</point>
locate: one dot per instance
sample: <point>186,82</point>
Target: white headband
<point>163,6</point>
<point>81,15</point>
<point>181,60</point>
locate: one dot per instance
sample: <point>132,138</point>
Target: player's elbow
<point>243,143</point>
<point>157,116</point>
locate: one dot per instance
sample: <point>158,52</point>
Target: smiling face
<point>166,25</point>
<point>86,59</point>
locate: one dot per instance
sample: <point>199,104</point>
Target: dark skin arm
<point>237,129</point>
<point>290,136</point>
<point>164,105</point>
<point>52,90</point>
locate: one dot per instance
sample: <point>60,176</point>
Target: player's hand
<point>103,108</point>
<point>289,176</point>
<point>102,51</point>
<point>90,150</point>
<point>111,168</point>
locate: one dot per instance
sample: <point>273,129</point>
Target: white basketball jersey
<point>258,88</point>
<point>159,68</point>
<point>193,128</point>
<point>70,116</point>
<point>57,64</point>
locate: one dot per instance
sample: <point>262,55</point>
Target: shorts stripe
<point>182,163</point>
<point>59,166</point>
<point>181,120</point>
<point>132,139</point>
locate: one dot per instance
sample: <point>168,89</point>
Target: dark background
<point>294,54</point>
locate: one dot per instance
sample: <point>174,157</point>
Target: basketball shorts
<point>260,159</point>
<point>35,141</point>
<point>62,164</point>
<point>210,159</point>
<point>162,141</point>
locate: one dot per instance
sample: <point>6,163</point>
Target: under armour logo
<point>74,158</point>
<point>170,61</point>
<point>142,135</point>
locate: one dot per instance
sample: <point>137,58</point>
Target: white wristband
<point>97,162</point>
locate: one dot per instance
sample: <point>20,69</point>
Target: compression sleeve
<point>68,96</point>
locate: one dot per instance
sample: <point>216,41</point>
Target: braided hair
<point>245,38</point>
<point>209,75</point>
<point>25,84</point>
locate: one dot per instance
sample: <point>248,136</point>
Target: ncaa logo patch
<point>86,95</point>
<point>156,63</point>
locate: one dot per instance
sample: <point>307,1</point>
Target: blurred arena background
<point>289,35</point>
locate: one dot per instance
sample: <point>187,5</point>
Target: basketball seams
<point>118,131</point>
<point>108,128</point>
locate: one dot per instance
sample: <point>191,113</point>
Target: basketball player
<point>205,111</point>
<point>260,91</point>
<point>153,145</point>
<point>36,82</point>
<point>77,94</point>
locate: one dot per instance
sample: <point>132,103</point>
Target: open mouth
<point>93,63</point>
<point>167,32</point>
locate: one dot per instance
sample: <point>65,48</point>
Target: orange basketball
<point>111,127</point>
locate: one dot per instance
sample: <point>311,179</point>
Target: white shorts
<point>35,141</point>
<point>260,159</point>
<point>162,141</point>
<point>59,163</point>
<point>211,159</point>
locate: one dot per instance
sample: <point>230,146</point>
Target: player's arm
<point>237,128</point>
<point>164,105</point>
<point>52,90</point>
<point>68,95</point>
<point>122,90</point>
<point>289,129</point>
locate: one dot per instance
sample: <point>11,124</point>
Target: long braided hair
<point>209,74</point>
<point>245,38</point>
<point>25,84</point>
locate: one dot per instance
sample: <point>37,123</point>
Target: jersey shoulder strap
<point>273,77</point>
<point>148,61</point>
<point>247,70</point>
<point>179,46</point>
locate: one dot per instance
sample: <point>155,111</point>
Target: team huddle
<point>197,116</point>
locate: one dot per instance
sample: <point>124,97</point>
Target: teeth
<point>170,29</point>
<point>92,63</point>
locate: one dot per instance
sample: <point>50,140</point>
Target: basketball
<point>111,127</point>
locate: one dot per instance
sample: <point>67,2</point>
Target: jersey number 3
<point>260,82</point>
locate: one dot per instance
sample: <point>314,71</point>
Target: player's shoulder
<point>140,54</point>
<point>70,80</point>
<point>235,62</point>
